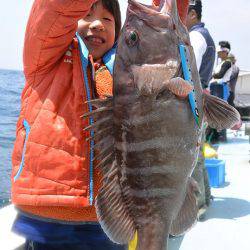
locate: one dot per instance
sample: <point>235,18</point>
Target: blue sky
<point>226,20</point>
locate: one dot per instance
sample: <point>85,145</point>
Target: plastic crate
<point>220,90</point>
<point>216,172</point>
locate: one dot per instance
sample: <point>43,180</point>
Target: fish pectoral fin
<point>111,209</point>
<point>179,87</point>
<point>219,114</point>
<point>187,215</point>
<point>151,79</point>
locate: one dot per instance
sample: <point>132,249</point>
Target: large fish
<point>148,135</point>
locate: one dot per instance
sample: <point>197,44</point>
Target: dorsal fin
<point>111,208</point>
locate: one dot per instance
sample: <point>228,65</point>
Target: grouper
<point>148,134</point>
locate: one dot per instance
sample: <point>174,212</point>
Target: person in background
<point>219,85</point>
<point>68,57</point>
<point>204,50</point>
<point>223,70</point>
<point>202,42</point>
<point>233,79</point>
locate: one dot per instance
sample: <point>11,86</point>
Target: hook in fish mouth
<point>154,16</point>
<point>146,9</point>
<point>162,6</point>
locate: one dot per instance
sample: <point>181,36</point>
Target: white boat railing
<point>242,91</point>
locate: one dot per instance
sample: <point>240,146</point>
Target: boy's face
<point>97,30</point>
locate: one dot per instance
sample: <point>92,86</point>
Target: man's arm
<point>224,68</point>
<point>51,27</point>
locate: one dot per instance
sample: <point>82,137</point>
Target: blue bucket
<point>216,172</point>
<point>220,90</point>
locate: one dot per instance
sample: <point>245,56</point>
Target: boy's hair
<point>196,5</point>
<point>114,8</point>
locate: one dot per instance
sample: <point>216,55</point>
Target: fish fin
<point>99,124</point>
<point>105,151</point>
<point>187,215</point>
<point>219,114</point>
<point>111,209</point>
<point>103,142</point>
<point>98,135</point>
<point>101,115</point>
<point>105,163</point>
<point>97,103</point>
<point>97,111</point>
<point>151,79</point>
<point>179,87</point>
<point>101,131</point>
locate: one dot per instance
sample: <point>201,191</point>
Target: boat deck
<point>227,222</point>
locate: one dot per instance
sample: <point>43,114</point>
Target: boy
<point>54,182</point>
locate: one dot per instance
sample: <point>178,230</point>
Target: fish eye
<point>132,38</point>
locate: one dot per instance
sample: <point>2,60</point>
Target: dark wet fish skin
<point>155,133</point>
<point>146,137</point>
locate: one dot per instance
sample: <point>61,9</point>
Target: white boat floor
<point>227,222</point>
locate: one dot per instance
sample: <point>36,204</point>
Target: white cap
<point>219,49</point>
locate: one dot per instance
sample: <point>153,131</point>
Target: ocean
<point>11,85</point>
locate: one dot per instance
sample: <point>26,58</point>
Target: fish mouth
<point>95,40</point>
<point>147,9</point>
<point>165,7</point>
<point>152,15</point>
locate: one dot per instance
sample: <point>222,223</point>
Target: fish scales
<point>153,140</point>
<point>149,142</point>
